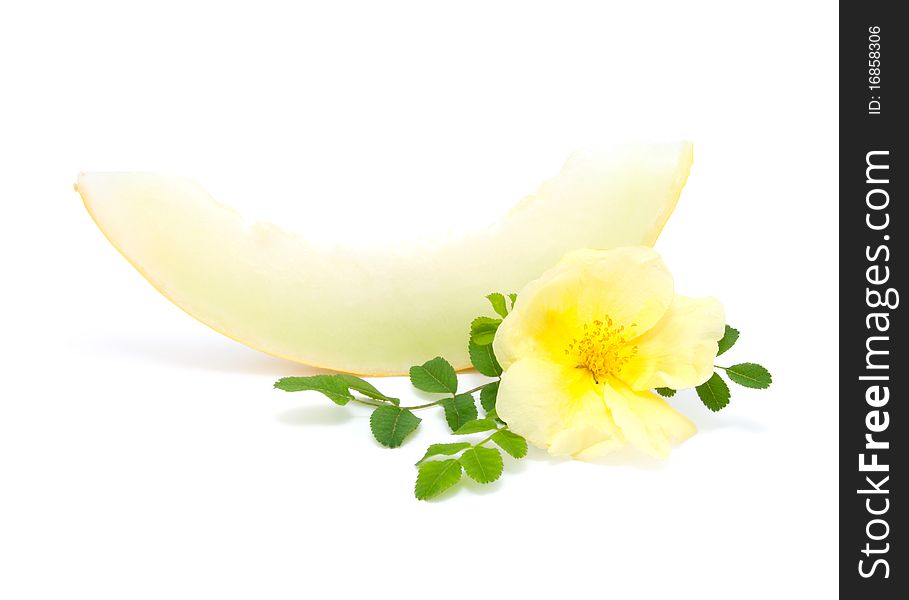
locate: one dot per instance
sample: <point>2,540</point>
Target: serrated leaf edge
<point>426,455</point>
<point>706,387</point>
<point>504,434</point>
<point>422,368</point>
<point>394,426</point>
<point>451,403</point>
<point>452,462</point>
<point>479,463</point>
<point>742,376</point>
<point>735,338</point>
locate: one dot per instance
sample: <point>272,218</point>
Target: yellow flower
<point>586,343</point>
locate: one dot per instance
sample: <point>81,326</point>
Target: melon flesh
<point>374,311</point>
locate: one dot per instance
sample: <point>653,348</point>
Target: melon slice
<point>373,311</point>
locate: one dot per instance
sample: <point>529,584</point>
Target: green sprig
<point>443,464</point>
<point>482,463</point>
<point>714,392</point>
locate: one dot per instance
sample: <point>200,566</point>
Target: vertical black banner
<point>873,359</point>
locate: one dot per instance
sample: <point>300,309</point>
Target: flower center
<point>601,349</point>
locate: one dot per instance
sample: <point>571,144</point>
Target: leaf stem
<point>427,405</point>
<point>480,387</point>
<point>379,402</point>
<point>719,367</point>
<point>368,403</point>
<point>472,391</point>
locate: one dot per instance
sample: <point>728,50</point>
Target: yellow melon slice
<point>373,310</point>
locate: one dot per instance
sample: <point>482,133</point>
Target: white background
<point>144,456</point>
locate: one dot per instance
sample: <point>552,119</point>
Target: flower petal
<point>646,421</point>
<point>678,352</point>
<point>631,286</point>
<point>555,407</point>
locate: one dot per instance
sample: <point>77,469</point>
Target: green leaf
<point>336,387</point>
<point>665,392</point>
<point>488,396</point>
<point>483,465</point>
<point>498,304</point>
<point>332,386</point>
<point>483,359</point>
<point>714,393</point>
<point>436,375</point>
<point>728,340</point>
<point>365,388</point>
<point>750,375</point>
<point>390,425</point>
<point>511,443</point>
<point>513,298</point>
<point>436,476</point>
<point>459,410</point>
<point>476,426</point>
<point>492,414</point>
<point>483,330</point>
<point>444,449</point>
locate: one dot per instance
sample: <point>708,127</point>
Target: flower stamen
<point>602,349</point>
